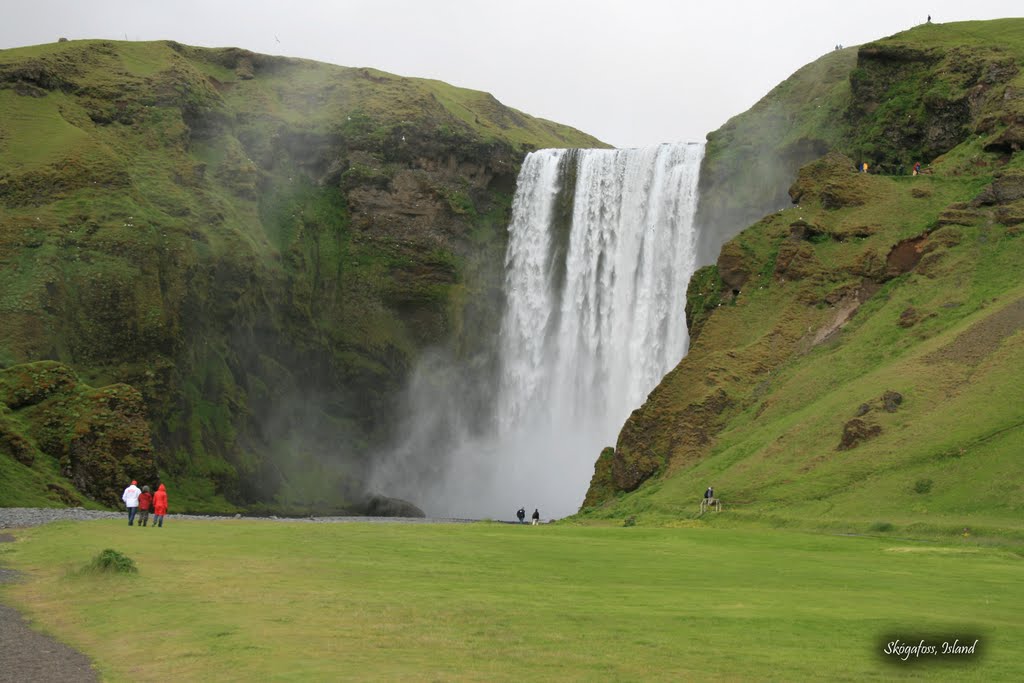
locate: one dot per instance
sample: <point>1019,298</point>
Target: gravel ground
<point>27,655</point>
<point>15,518</point>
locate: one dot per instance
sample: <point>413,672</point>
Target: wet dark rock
<point>905,256</point>
<point>796,261</point>
<point>832,181</point>
<point>1003,190</point>
<point>856,432</point>
<point>733,266</point>
<point>909,317</point>
<point>891,401</point>
<point>376,505</point>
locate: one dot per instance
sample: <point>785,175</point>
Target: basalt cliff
<point>217,267</point>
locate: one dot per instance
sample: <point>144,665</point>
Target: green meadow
<point>251,600</point>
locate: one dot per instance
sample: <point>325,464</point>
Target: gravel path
<point>27,655</point>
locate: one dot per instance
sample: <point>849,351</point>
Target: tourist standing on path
<point>145,500</point>
<point>521,514</point>
<point>131,501</point>
<point>159,506</point>
<point>536,516</point>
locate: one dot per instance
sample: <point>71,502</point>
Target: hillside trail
<point>27,655</point>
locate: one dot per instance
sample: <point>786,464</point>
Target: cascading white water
<point>595,317</point>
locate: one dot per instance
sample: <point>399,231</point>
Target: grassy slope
<point>181,219</point>
<point>911,93</point>
<point>238,600</point>
<point>948,457</point>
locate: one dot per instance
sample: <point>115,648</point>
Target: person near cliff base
<point>145,501</point>
<point>536,517</point>
<point>521,514</point>
<point>131,501</point>
<point>917,167</point>
<point>159,506</point>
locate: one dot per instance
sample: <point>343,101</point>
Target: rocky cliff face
<point>816,318</point>
<point>259,246</point>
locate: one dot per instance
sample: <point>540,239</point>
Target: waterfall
<point>601,248</point>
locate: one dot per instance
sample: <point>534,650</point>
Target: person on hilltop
<point>536,517</point>
<point>145,500</point>
<point>131,501</point>
<point>521,514</point>
<point>159,506</point>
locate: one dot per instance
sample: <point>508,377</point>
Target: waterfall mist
<point>601,247</point>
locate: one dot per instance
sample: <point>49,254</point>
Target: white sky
<point>631,72</point>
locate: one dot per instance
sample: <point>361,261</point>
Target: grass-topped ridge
<point>866,287</point>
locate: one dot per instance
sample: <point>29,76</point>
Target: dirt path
<point>27,655</point>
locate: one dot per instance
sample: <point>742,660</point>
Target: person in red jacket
<point>159,506</point>
<point>145,500</point>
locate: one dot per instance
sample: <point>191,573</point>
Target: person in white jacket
<point>131,501</point>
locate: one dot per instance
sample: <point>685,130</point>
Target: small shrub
<point>881,526</point>
<point>113,562</point>
<point>630,521</point>
<point>923,486</point>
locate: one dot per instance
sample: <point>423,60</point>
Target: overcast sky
<point>631,72</point>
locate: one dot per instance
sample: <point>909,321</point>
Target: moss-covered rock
<point>32,383</point>
<point>98,439</point>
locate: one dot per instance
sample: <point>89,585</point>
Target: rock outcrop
<point>99,437</point>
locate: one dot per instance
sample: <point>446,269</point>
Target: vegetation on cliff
<point>857,358</point>
<point>259,246</point>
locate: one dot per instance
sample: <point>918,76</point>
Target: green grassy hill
<point>261,246</point>
<point>857,360</point>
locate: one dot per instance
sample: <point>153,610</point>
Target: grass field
<point>242,600</point>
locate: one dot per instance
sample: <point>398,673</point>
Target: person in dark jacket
<point>145,500</point>
<point>710,493</point>
<point>536,517</point>
<point>159,506</point>
<point>521,514</point>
